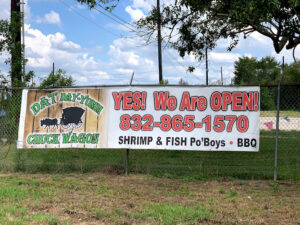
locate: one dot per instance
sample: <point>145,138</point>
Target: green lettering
<point>88,138</point>
<point>48,139</point>
<point>52,96</point>
<point>44,102</point>
<point>74,138</point>
<point>91,103</point>
<point>98,109</point>
<point>96,138</point>
<point>43,139</point>
<point>75,96</point>
<point>81,138</point>
<point>65,97</point>
<point>66,138</point>
<point>28,140</point>
<point>35,108</point>
<point>84,98</point>
<point>55,139</point>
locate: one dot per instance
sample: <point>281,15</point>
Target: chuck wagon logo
<point>71,117</point>
<point>70,110</point>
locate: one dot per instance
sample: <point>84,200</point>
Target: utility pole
<point>16,52</point>
<point>221,76</point>
<point>206,63</point>
<point>53,68</point>
<point>23,35</point>
<point>159,42</point>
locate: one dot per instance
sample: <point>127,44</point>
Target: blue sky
<point>95,50</point>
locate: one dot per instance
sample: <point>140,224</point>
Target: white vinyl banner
<point>214,118</point>
<point>184,118</point>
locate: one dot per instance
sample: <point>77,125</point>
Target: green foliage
<point>250,71</point>
<point>253,71</point>
<point>59,79</point>
<point>186,165</point>
<point>201,23</point>
<point>292,73</point>
<point>164,82</point>
<point>11,42</point>
<point>109,4</point>
<point>176,214</point>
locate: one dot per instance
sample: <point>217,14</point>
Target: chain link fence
<point>187,165</point>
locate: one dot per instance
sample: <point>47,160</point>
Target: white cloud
<point>135,14</point>
<point>143,4</point>
<point>223,57</point>
<point>51,18</point>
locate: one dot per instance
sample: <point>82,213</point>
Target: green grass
<point>14,192</point>
<point>163,213</point>
<point>185,165</point>
<point>282,113</point>
<point>136,199</point>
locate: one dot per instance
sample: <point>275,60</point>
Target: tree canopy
<point>8,36</point>
<point>58,79</point>
<point>264,71</point>
<point>201,23</point>
<point>252,71</point>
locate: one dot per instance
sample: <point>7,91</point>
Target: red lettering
<point>127,100</point>
<point>160,100</point>
<point>144,94</point>
<point>172,103</point>
<point>255,101</point>
<point>136,98</point>
<point>236,101</point>
<point>216,101</point>
<point>202,104</point>
<point>117,98</point>
<point>226,100</point>
<point>185,102</point>
<point>248,101</point>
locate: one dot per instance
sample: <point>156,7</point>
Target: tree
<point>59,79</point>
<point>292,73</point>
<point>8,33</point>
<point>252,71</point>
<point>201,23</point>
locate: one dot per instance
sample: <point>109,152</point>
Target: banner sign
<point>145,117</point>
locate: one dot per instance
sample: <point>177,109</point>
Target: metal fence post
<point>277,121</point>
<point>127,162</point>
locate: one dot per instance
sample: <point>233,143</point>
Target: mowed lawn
<point>188,165</point>
<point>102,198</point>
<point>282,113</point>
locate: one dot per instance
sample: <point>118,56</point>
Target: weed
<point>176,214</point>
<point>221,190</point>
<point>120,212</point>
<point>274,186</point>
<point>100,214</point>
<point>232,193</point>
<point>104,189</point>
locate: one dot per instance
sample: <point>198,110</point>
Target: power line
<point>124,23</point>
<point>103,13</point>
<point>118,17</point>
<point>86,18</point>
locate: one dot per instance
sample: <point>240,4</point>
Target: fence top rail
<point>148,85</point>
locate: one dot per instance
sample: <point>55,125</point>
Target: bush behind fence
<point>188,165</point>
